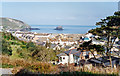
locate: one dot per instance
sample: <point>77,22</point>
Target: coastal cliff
<point>14,24</point>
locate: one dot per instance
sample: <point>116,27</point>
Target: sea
<point>68,29</point>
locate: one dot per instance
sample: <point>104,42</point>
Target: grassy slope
<point>15,45</point>
<point>21,46</point>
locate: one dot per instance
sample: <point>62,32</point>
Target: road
<point>5,71</point>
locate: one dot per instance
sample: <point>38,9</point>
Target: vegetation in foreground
<point>30,67</point>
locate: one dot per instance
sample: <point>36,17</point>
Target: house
<point>63,58</point>
<point>41,43</point>
<point>74,56</point>
<point>57,47</point>
<point>20,34</point>
<point>67,47</point>
<point>89,35</point>
<point>116,53</point>
<point>96,42</point>
<point>104,61</point>
<point>86,39</point>
<point>41,39</point>
<point>115,49</point>
<point>1,28</point>
<point>118,42</point>
<point>62,41</point>
<point>42,35</point>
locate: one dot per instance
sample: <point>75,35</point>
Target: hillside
<point>9,23</point>
<point>15,48</point>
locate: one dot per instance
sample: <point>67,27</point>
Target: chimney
<point>71,59</point>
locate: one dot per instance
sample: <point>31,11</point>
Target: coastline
<point>73,29</point>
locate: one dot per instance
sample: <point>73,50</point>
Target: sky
<point>59,13</point>
<point>60,0</point>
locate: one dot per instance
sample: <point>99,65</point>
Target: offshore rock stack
<point>58,28</point>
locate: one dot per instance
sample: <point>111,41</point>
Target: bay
<point>68,29</point>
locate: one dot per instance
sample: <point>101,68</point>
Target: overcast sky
<point>58,13</point>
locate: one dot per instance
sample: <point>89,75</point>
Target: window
<point>60,58</point>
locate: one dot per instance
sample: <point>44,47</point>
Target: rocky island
<point>58,28</point>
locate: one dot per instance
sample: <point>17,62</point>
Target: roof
<point>78,54</point>
<point>117,53</point>
<point>53,45</point>
<point>103,59</point>
<point>42,34</point>
<point>75,52</point>
<point>72,51</point>
<point>86,38</point>
<point>61,54</point>
<point>67,47</point>
<point>42,39</point>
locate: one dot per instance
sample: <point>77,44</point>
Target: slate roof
<point>67,47</point>
<point>71,51</point>
<point>80,53</point>
<point>116,53</point>
<point>61,54</point>
<point>75,52</point>
<point>102,59</point>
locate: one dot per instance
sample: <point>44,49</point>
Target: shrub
<point>7,66</point>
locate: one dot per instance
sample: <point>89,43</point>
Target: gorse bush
<point>40,67</point>
<point>7,66</point>
<point>6,48</point>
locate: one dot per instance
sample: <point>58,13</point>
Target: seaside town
<point>73,54</point>
<point>97,52</point>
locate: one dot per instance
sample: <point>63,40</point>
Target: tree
<point>109,29</point>
<point>92,48</point>
<point>6,48</point>
<point>30,44</point>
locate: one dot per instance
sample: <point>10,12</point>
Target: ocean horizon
<point>68,29</point>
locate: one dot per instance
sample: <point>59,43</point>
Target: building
<point>1,28</point>
<point>74,56</point>
<point>62,41</point>
<point>104,61</point>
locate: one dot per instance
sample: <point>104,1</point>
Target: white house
<point>74,56</point>
<point>62,41</point>
<point>115,49</point>
<point>63,58</point>
<point>89,35</point>
<point>1,28</point>
<point>42,35</point>
<point>98,42</point>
